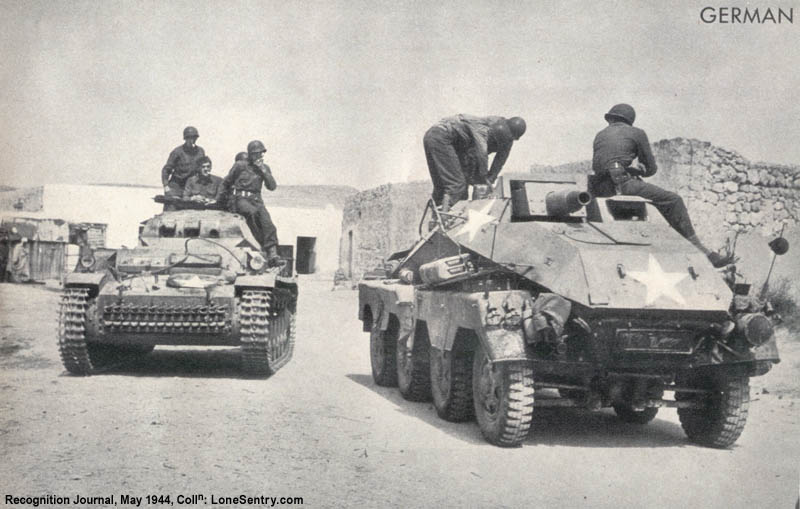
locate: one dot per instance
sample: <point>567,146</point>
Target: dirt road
<point>183,422</point>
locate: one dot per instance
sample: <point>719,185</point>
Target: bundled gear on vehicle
<point>614,150</point>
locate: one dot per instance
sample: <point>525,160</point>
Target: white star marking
<point>476,219</point>
<point>658,282</point>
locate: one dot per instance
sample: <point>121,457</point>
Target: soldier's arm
<point>504,141</point>
<point>645,154</point>
<point>187,190</point>
<point>227,182</point>
<point>166,171</point>
<point>269,180</point>
<point>481,152</point>
<point>597,164</point>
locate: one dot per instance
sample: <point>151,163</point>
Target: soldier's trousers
<point>444,165</point>
<point>668,203</point>
<point>261,226</point>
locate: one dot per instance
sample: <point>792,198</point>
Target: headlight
<point>87,261</point>
<point>756,328</point>
<point>256,262</point>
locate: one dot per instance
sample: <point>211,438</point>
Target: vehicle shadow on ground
<point>570,427</point>
<point>189,363</point>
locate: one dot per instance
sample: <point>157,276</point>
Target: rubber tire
<point>631,416</point>
<point>508,423</point>
<point>451,385</point>
<point>413,368</point>
<point>382,354</point>
<point>720,423</point>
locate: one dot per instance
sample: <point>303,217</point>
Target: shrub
<point>782,298</point>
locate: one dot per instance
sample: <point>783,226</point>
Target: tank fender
<point>92,279</point>
<point>255,281</point>
<point>496,317</point>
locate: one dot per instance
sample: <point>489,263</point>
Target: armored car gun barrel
<point>595,298</point>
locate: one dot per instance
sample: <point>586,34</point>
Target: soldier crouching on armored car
<point>243,184</point>
<point>182,163</point>
<point>615,148</point>
<point>457,151</point>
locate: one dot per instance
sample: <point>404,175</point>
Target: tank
<point>553,298</point>
<point>196,277</point>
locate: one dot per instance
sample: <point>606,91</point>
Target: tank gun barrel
<point>562,203</point>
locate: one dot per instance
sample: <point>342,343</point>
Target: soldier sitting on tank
<point>243,183</point>
<point>203,187</point>
<point>615,148</point>
<point>457,151</point>
<point>182,163</point>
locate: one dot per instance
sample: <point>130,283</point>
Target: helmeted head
<point>622,111</point>
<point>204,165</point>
<point>241,156</point>
<point>190,132</point>
<point>517,126</point>
<point>255,150</point>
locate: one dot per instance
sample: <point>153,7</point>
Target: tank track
<point>72,345</point>
<point>267,327</point>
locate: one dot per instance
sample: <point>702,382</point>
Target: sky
<point>342,92</point>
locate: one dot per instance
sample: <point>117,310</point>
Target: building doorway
<point>306,261</point>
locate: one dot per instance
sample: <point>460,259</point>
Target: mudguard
<point>496,317</point>
<point>256,281</point>
<point>94,279</point>
<point>385,299</point>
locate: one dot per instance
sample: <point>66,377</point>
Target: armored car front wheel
<point>503,397</point>
<point>451,384</point>
<point>413,371</point>
<point>721,414</point>
<point>382,354</point>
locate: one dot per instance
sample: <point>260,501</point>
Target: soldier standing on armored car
<point>244,183</point>
<point>615,148</point>
<point>457,150</point>
<point>182,163</point>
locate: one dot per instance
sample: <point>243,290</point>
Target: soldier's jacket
<point>181,164</point>
<point>622,143</point>
<point>247,176</point>
<point>208,187</point>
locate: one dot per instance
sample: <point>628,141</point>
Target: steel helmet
<point>241,156</point>
<point>624,112</point>
<point>190,132</point>
<point>255,147</point>
<point>517,126</point>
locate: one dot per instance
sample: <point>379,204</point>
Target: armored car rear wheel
<point>722,414</point>
<point>413,370</point>
<point>451,384</point>
<point>503,396</point>
<point>382,354</point>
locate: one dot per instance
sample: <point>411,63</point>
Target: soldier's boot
<point>273,259</point>
<point>718,260</point>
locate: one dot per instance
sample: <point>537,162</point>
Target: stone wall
<point>724,192</point>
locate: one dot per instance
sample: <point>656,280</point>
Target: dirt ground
<point>185,421</point>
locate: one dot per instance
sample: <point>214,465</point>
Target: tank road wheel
<point>413,370</point>
<point>383,353</point>
<point>267,331</point>
<point>721,419</point>
<point>503,394</point>
<point>75,353</point>
<point>451,384</point>
<point>631,416</point>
